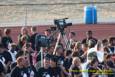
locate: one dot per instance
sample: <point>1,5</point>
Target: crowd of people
<point>89,57</point>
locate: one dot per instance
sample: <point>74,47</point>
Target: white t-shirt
<point>84,69</point>
<point>13,55</point>
<point>100,56</point>
<point>91,50</point>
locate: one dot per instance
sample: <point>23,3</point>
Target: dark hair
<point>108,56</point>
<point>20,53</point>
<point>91,43</point>
<point>68,52</point>
<point>7,31</point>
<point>110,64</point>
<point>111,39</point>
<point>54,58</point>
<point>104,41</point>
<point>74,54</point>
<point>33,28</point>
<point>89,32</point>
<point>94,61</point>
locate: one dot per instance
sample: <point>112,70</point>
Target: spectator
<point>55,69</point>
<point>12,51</point>
<point>1,35</point>
<point>77,51</point>
<point>111,45</point>
<point>89,36</point>
<point>6,58</point>
<point>2,70</point>
<point>45,71</point>
<point>2,62</point>
<point>100,51</point>
<point>47,32</point>
<point>75,68</point>
<point>110,66</point>
<point>23,41</point>
<point>105,42</point>
<point>29,68</point>
<point>91,52</point>
<point>1,53</point>
<point>72,39</point>
<point>60,55</point>
<point>27,50</point>
<point>6,38</point>
<point>33,36</point>
<point>85,49</point>
<point>50,50</point>
<point>67,61</point>
<point>23,36</point>
<point>19,71</point>
<point>93,69</point>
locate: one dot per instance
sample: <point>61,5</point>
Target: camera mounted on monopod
<point>62,24</point>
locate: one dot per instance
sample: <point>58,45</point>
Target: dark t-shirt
<point>1,57</point>
<point>92,71</point>
<point>75,71</point>
<point>18,72</point>
<point>6,40</point>
<point>42,72</point>
<point>31,71</point>
<point>60,60</point>
<point>7,57</point>
<point>111,66</point>
<point>56,72</point>
<point>67,63</point>
<point>1,68</point>
<point>32,40</point>
<point>111,50</point>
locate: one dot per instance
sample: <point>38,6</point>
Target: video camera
<point>44,41</point>
<point>62,24</point>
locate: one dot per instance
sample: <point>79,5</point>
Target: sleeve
<point>4,41</point>
<point>11,40</point>
<point>35,71</point>
<point>39,72</point>
<point>14,73</point>
<point>7,57</point>
<point>1,68</point>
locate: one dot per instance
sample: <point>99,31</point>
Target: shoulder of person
<point>15,69</point>
<point>40,69</point>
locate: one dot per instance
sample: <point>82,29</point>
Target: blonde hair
<point>77,44</point>
<point>76,59</point>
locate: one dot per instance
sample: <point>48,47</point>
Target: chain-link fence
<point>34,12</point>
